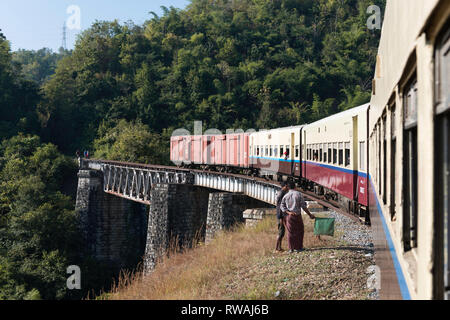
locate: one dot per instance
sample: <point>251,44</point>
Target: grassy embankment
<point>242,264</point>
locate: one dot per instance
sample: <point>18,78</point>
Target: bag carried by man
<point>324,226</point>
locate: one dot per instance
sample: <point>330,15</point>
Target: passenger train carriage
<point>388,161</point>
<point>276,152</point>
<point>335,158</point>
<point>409,150</point>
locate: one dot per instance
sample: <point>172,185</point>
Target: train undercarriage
<point>350,206</point>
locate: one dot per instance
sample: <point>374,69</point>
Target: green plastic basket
<point>324,226</point>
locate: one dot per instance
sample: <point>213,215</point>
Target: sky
<point>35,24</point>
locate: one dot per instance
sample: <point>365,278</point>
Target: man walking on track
<point>292,204</point>
<point>280,215</point>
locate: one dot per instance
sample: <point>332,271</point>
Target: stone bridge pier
<point>123,233</point>
<point>113,229</point>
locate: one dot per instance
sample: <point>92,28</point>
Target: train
<point>387,161</point>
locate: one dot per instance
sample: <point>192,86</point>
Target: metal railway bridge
<point>134,181</point>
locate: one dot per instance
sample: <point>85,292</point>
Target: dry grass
<point>241,264</point>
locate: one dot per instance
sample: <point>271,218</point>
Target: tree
<point>38,226</point>
<point>132,142</point>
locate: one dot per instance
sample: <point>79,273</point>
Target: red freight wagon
<point>174,150</point>
<point>179,149</point>
<point>219,152</point>
<point>237,146</point>
<point>207,150</point>
<point>196,149</point>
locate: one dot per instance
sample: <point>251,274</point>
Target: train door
<point>301,152</point>
<point>305,157</point>
<point>292,153</point>
<point>239,163</point>
<point>187,156</point>
<point>355,145</point>
<point>208,150</point>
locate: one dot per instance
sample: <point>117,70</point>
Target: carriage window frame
<point>341,154</point>
<point>335,153</point>
<point>410,165</point>
<point>379,156</point>
<point>330,155</point>
<point>442,78</point>
<point>441,277</point>
<point>393,166</point>
<point>347,154</point>
<point>384,137</point>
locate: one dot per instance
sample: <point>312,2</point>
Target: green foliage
<point>38,229</point>
<point>125,88</point>
<point>227,63</point>
<point>38,65</point>
<point>132,142</point>
<point>18,97</point>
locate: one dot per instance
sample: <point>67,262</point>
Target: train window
<point>443,203</point>
<point>275,151</point>
<point>257,150</point>
<point>329,152</point>
<point>325,156</point>
<point>393,168</point>
<point>442,173</point>
<point>297,151</point>
<point>410,166</point>
<point>287,151</point>
<point>320,153</point>
<point>281,151</point>
<point>443,74</point>
<point>267,151</point>
<point>335,153</point>
<point>384,160</point>
<point>270,151</point>
<point>362,158</point>
<point>379,157</point>
<point>347,154</point>
<point>341,154</point>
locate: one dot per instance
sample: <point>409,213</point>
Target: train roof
<point>342,114</point>
<point>283,128</point>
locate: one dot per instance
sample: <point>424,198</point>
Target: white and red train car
<point>335,159</point>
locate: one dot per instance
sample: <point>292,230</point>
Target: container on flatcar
<point>237,145</point>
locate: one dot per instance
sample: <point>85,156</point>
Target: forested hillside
<point>125,87</point>
<point>231,64</point>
